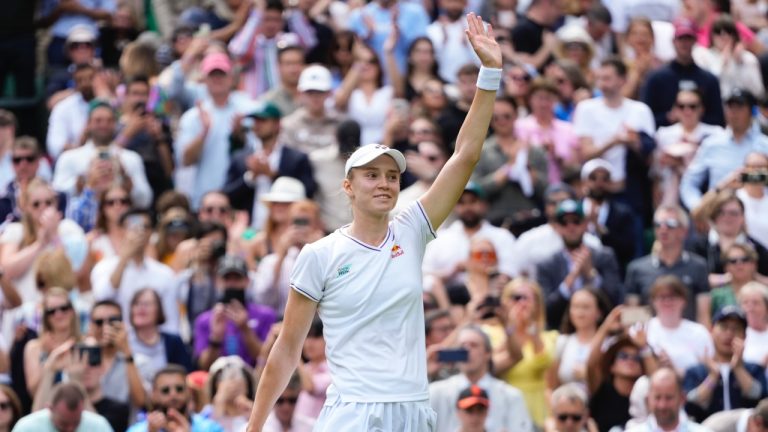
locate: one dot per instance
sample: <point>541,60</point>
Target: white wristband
<point>489,78</point>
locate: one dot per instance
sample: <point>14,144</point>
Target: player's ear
<point>346,185</point>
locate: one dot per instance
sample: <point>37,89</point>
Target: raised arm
<point>442,196</point>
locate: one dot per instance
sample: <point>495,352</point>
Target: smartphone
<point>104,155</point>
<point>135,222</point>
<point>233,294</point>
<point>92,353</point>
<point>301,222</point>
<point>632,315</point>
<point>140,108</point>
<point>452,355</point>
<point>754,177</point>
<point>401,107</point>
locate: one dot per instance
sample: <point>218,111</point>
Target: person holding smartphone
<point>365,281</point>
<point>233,326</point>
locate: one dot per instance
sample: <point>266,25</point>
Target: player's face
<point>374,188</point>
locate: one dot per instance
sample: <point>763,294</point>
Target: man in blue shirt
<point>721,154</point>
<point>170,400</point>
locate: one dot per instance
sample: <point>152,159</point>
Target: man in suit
<point>251,173</point>
<point>576,265</point>
<point>608,219</point>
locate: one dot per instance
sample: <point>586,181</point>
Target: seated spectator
<point>725,380</point>
<point>447,256</point>
<point>170,400</point>
<point>233,326</point>
<point>19,157</point>
<point>120,277</point>
<point>508,413</point>
<point>727,227</point>
<point>424,160</point>
<point>740,262</point>
<point>574,43</point>
<point>69,117</point>
<point>175,226</point>
<point>121,379</point>
<point>107,237</point>
<point>570,410</point>
<point>423,65</point>
<point>571,85</point>
<point>721,154</point>
<point>271,283</point>
<point>153,349</point>
<point>231,388</point>
<point>284,416</point>
<point>612,371</point>
<point>511,174</point>
<point>676,340</point>
<point>576,265</point>
<point>739,420</point>
<point>60,325</point>
<point>41,228</point>
<point>753,193</point>
<point>215,208</point>
<point>315,375</point>
<point>524,303</point>
<point>641,58</point>
<point>77,362</point>
<point>667,257</point>
<point>85,171</point>
<point>753,299</point>
<point>79,48</point>
<point>66,412</point>
<point>666,400</point>
<point>10,408</point>
<point>472,409</point>
<point>587,309</point>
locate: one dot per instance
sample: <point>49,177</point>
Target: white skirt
<point>377,417</point>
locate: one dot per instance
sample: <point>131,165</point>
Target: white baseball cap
<point>594,164</point>
<point>285,190</point>
<point>369,152</point>
<point>315,77</point>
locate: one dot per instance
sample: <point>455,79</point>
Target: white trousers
<point>377,417</point>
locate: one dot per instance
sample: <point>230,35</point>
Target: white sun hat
<point>285,190</point>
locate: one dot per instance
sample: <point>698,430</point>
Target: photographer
<point>233,326</point>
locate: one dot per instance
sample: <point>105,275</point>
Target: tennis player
<point>365,282</point>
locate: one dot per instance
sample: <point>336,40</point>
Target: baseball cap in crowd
<point>472,396</point>
<point>266,110</point>
<point>315,78</point>
<point>229,264</point>
<point>730,312</point>
<point>593,165</point>
<point>369,152</point>
<point>474,189</point>
<point>285,190</point>
<point>81,33</point>
<point>685,27</point>
<point>215,61</point>
<point>569,206</point>
<point>557,188</point>
<point>226,362</point>
<point>741,96</point>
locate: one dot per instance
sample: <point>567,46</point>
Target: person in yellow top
<point>524,306</point>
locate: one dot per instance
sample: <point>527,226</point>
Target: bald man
<point>666,400</point>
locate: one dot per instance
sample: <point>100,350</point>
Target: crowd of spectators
<point>163,162</point>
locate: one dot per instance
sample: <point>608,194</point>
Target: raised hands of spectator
<point>639,335</point>
<point>712,367</point>
<point>418,165</point>
<point>105,83</point>
<point>218,322</point>
<point>77,366</point>
<point>665,360</point>
<point>156,421</point>
<point>177,422</point>
<point>49,224</point>
<point>60,357</point>
<point>133,245</point>
<point>613,321</point>
<point>258,164</point>
<point>194,52</point>
<point>100,175</point>
<point>116,335</point>
<point>738,352</point>
<point>238,314</point>
<point>732,181</point>
<point>138,121</point>
<point>394,33</point>
<point>205,118</point>
<point>370,25</point>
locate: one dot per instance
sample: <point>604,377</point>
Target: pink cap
<point>684,27</point>
<point>215,61</point>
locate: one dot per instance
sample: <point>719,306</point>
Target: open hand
<point>483,41</point>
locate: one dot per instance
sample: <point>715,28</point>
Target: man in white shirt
<point>69,116</point>
<point>118,278</point>
<point>666,400</point>
<point>101,157</point>
<point>447,256</point>
<point>507,412</point>
<point>452,50</point>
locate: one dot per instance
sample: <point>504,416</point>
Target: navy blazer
<point>621,233</point>
<point>551,273</point>
<point>695,375</point>
<point>293,163</point>
<point>176,352</point>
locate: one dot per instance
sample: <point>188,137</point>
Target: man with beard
<point>170,402</point>
<point>576,265</point>
<point>608,219</point>
<point>446,257</point>
<point>69,116</point>
<point>665,403</point>
<point>447,36</point>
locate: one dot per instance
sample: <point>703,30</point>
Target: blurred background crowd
<point>162,163</point>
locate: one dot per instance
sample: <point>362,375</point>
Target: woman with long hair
<point>106,239</point>
<point>640,55</point>
<point>421,67</point>
<point>10,408</point>
<point>571,84</point>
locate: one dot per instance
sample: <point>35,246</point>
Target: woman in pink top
<point>542,129</point>
<point>314,374</point>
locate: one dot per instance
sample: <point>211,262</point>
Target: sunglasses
<point>627,356</point>
<point>212,209</point>
<point>668,223</point>
<point>98,322</point>
<point>44,203</point>
<point>519,297</point>
<point>483,256</point>
<point>19,159</point>
<point>603,178</point>
<point>573,417</point>
<point>290,400</point>
<point>178,388</point>
<point>113,201</point>
<point>739,260</point>
<point>524,78</point>
<point>690,106</point>
<point>431,158</point>
<point>62,309</point>
<point>506,116</point>
<point>4,406</point>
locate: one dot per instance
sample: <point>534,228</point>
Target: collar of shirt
<point>656,262</point>
<point>752,132</point>
<point>713,238</point>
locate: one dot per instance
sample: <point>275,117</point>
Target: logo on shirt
<point>343,269</point>
<point>397,251</point>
